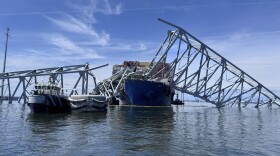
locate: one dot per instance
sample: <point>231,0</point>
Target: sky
<point>49,33</point>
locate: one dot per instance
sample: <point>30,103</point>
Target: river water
<point>176,130</point>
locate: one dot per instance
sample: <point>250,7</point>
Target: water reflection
<point>221,124</point>
<point>146,129</point>
<point>177,130</point>
<point>64,133</point>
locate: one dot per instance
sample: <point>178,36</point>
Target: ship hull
<point>48,104</point>
<point>145,93</point>
<point>88,103</point>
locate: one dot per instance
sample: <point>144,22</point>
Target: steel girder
<point>196,69</point>
<point>28,77</point>
<point>113,85</point>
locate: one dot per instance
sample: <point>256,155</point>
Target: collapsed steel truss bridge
<point>198,70</point>
<point>28,77</point>
<point>194,68</point>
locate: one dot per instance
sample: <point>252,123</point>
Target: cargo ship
<point>139,91</point>
<point>145,93</point>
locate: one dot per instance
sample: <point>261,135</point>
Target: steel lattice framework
<point>113,85</point>
<point>28,77</point>
<point>196,69</point>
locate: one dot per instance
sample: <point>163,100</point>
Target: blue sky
<point>46,33</point>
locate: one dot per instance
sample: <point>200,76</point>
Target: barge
<point>88,103</point>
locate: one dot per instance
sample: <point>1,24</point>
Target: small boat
<point>46,98</point>
<point>177,101</point>
<point>88,103</point>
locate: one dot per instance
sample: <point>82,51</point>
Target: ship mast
<point>4,64</point>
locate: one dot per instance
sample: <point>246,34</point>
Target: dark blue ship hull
<point>146,93</point>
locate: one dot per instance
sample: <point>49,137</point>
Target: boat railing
<point>43,88</point>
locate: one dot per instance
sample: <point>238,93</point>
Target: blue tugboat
<point>46,98</point>
<point>146,93</point>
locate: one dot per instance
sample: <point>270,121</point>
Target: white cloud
<point>74,25</point>
<point>89,11</point>
<point>68,47</point>
<point>102,6</point>
<point>92,40</point>
<point>63,43</point>
<point>128,47</point>
<point>34,59</point>
<point>82,24</point>
<point>143,46</point>
<point>238,36</point>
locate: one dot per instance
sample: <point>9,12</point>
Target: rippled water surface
<point>176,130</point>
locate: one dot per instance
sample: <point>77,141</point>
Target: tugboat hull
<point>48,104</point>
<point>146,93</point>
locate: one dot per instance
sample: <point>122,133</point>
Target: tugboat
<point>46,98</point>
<point>88,103</point>
<point>177,101</point>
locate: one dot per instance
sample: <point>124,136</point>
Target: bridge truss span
<point>22,80</point>
<point>196,69</point>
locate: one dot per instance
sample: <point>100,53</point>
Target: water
<point>178,130</point>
